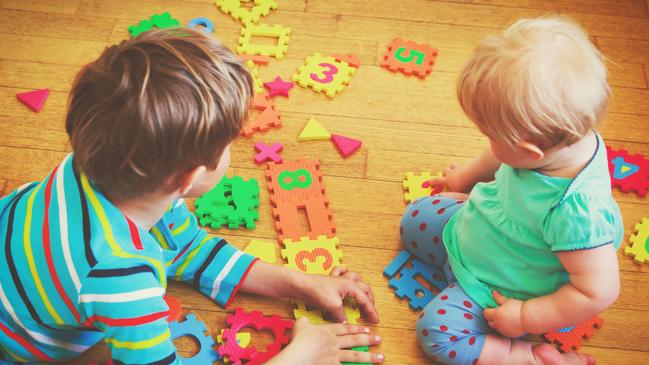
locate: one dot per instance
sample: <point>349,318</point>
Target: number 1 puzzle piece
<point>324,74</point>
<point>409,57</point>
<point>638,246</point>
<point>569,338</point>
<point>406,284</point>
<point>268,31</point>
<point>317,256</point>
<point>412,186</point>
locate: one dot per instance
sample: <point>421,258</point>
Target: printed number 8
<point>329,73</point>
<point>289,180</point>
<point>413,53</point>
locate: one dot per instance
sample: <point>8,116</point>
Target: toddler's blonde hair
<point>541,81</point>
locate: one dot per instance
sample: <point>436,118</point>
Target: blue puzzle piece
<point>406,285</point>
<point>196,329</point>
<point>623,169</point>
<point>204,24</point>
<point>396,264</point>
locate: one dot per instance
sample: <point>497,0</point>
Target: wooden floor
<point>406,124</point>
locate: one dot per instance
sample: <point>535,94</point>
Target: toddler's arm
<point>463,178</point>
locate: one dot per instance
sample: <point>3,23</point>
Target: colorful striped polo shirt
<point>74,270</point>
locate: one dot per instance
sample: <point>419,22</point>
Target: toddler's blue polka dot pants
<point>451,328</point>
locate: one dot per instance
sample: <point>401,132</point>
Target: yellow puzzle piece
<point>412,185</point>
<point>246,16</point>
<point>264,30</point>
<point>257,83</point>
<point>264,250</point>
<point>638,246</point>
<point>318,256</point>
<point>314,131</point>
<point>316,316</point>
<point>324,74</point>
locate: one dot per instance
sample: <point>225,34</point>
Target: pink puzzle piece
<point>278,87</point>
<point>267,152</point>
<point>34,99</point>
<point>346,146</point>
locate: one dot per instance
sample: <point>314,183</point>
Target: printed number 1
<point>329,73</point>
<point>413,53</point>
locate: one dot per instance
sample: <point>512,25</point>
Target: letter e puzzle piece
<point>324,74</point>
<point>34,99</point>
<point>268,31</point>
<point>233,202</point>
<point>409,57</point>
<point>628,173</point>
<point>196,329</point>
<point>569,338</point>
<point>403,279</point>
<point>317,256</point>
<point>246,16</point>
<point>413,186</point>
<point>638,246</point>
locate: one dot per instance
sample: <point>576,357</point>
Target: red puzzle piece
<point>350,58</point>
<point>569,339</point>
<point>409,57</point>
<point>345,145</point>
<point>637,181</point>
<point>34,99</point>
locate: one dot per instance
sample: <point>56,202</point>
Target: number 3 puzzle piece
<point>324,74</point>
<point>409,57</point>
<point>317,256</point>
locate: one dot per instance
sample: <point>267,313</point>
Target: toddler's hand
<point>451,179</point>
<point>506,319</point>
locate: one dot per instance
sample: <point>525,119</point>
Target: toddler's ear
<point>190,178</point>
<point>531,151</point>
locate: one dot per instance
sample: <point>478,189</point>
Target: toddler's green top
<point>506,236</point>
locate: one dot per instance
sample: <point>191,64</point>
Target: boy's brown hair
<point>153,107</point>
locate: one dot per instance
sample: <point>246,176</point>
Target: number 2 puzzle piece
<point>569,338</point>
<point>316,316</point>
<point>404,280</point>
<point>246,16</point>
<point>638,246</point>
<point>628,173</point>
<point>409,57</point>
<point>324,74</point>
<point>196,329</point>
<point>317,256</point>
<point>412,186</point>
<point>277,50</point>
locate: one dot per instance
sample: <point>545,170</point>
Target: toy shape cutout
<point>345,145</point>
<point>628,172</point>
<point>314,131</point>
<point>570,338</point>
<point>324,74</point>
<point>268,152</point>
<point>196,329</point>
<point>34,100</point>
<point>269,117</point>
<point>638,246</point>
<point>318,256</point>
<point>263,250</point>
<point>233,202</point>
<point>160,21</point>
<point>409,57</point>
<point>418,186</point>
<point>237,11</point>
<point>277,50</point>
<point>203,24</point>
<point>278,87</point>
<point>403,280</point>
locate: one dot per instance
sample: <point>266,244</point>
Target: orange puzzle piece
<point>569,339</point>
<point>409,57</point>
<point>318,214</point>
<point>295,181</point>
<point>269,116</point>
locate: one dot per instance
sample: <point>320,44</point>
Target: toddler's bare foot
<point>548,355</point>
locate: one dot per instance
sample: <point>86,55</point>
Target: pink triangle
<point>34,99</point>
<point>346,146</point>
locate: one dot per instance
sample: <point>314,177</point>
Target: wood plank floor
<point>406,124</point>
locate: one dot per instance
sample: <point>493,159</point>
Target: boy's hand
<point>507,318</point>
<point>328,293</point>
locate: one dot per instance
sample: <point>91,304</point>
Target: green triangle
<point>314,131</point>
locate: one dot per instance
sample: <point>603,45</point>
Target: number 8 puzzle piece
<point>295,181</point>
<point>410,58</point>
<point>324,74</point>
<point>317,256</point>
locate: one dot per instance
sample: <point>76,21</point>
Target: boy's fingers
<point>361,357</point>
<point>342,329</point>
<point>357,340</point>
<point>364,302</point>
<point>338,271</point>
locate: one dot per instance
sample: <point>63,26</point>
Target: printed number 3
<point>413,53</point>
<point>328,74</point>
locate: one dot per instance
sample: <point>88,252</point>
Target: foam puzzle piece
<point>314,131</point>
<point>278,87</point>
<point>243,339</point>
<point>277,50</point>
<point>264,250</point>
<point>161,21</point>
<point>345,145</point>
<point>318,214</point>
<point>258,85</point>
<point>413,186</point>
<point>361,348</point>
<point>403,280</point>
<point>570,338</point>
<point>318,256</point>
<point>34,99</point>
<point>237,11</point>
<point>196,329</point>
<point>295,181</point>
<point>350,58</point>
<point>240,319</point>
<point>203,24</point>
<point>268,152</point>
<point>233,202</point>
<point>268,118</point>
<point>324,74</point>
<point>638,246</point>
<point>175,308</point>
<point>316,316</point>
<point>409,57</point>
<point>256,59</point>
<point>628,172</point>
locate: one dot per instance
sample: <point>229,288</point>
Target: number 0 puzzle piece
<point>638,246</point>
<point>570,338</point>
<point>264,30</point>
<point>324,74</point>
<point>628,173</point>
<point>412,186</point>
<point>246,16</point>
<point>317,256</point>
<point>196,329</point>
<point>409,57</point>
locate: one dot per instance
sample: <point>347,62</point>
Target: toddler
<point>533,247</point>
<point>87,252</point>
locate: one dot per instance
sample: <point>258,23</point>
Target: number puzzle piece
<point>295,181</point>
<point>413,186</point>
<point>243,339</point>
<point>257,84</point>
<point>409,57</point>
<point>263,250</point>
<point>264,30</point>
<point>316,316</point>
<point>404,280</point>
<point>203,24</point>
<point>196,329</point>
<point>269,117</point>
<point>638,246</point>
<point>318,256</point>
<point>629,173</point>
<point>569,338</point>
<point>160,21</point>
<point>324,74</point>
<point>240,319</point>
<point>234,201</point>
<point>246,16</point>
<point>268,152</point>
<point>318,215</point>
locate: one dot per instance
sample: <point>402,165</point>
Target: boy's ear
<point>190,178</point>
<point>531,150</point>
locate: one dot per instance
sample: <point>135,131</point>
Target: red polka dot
<point>441,311</point>
<point>468,316</point>
<point>422,227</point>
<point>401,230</point>
<point>437,277</point>
<point>466,331</point>
<point>443,328</point>
<point>436,240</point>
<point>441,211</point>
<point>414,214</point>
<point>424,332</point>
<point>435,345</point>
<point>171,225</point>
<point>453,338</point>
<point>436,201</point>
<point>433,357</point>
<point>475,362</point>
<point>460,201</point>
<point>452,354</point>
<point>431,256</point>
<point>414,244</point>
<point>472,340</point>
<point>444,297</point>
<point>467,304</point>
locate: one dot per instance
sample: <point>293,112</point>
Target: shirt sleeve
<point>582,221</point>
<point>126,304</point>
<point>214,267</point>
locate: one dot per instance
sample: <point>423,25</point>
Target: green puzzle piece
<point>161,21</point>
<point>233,202</point>
<point>361,348</point>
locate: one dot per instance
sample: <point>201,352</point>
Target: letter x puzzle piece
<point>413,186</point>
<point>241,319</point>
<point>324,74</point>
<point>409,57</point>
<point>403,278</point>
<point>233,202</point>
<point>277,50</point>
<point>268,152</point>
<point>160,21</point>
<point>269,117</point>
<point>569,338</point>
<point>317,256</point>
<point>246,16</point>
<point>638,246</point>
<point>196,329</point>
<point>629,173</point>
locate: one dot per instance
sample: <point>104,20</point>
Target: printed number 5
<point>329,73</point>
<point>413,53</point>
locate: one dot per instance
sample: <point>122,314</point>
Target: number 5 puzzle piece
<point>317,256</point>
<point>324,74</point>
<point>406,283</point>
<point>409,57</point>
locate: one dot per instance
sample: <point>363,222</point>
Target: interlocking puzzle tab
<point>413,186</point>
<point>246,16</point>
<point>240,319</point>
<point>324,74</point>
<point>409,57</point>
<point>638,246</point>
<point>233,202</point>
<point>629,173</point>
<point>317,256</point>
<point>257,83</point>
<point>404,280</point>
<point>160,21</point>
<point>269,116</point>
<point>34,99</point>
<point>569,339</point>
<point>196,329</point>
<point>264,30</point>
